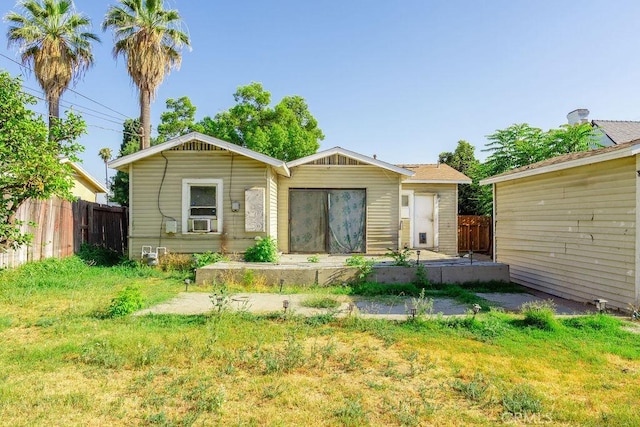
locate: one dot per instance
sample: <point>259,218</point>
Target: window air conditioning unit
<point>200,225</point>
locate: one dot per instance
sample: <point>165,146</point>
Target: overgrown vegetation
<point>364,266</point>
<point>100,256</point>
<point>265,250</point>
<point>490,369</point>
<point>321,301</point>
<point>400,256</point>
<point>126,302</point>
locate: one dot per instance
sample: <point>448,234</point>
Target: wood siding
<point>383,198</point>
<point>571,233</point>
<point>447,213</point>
<point>155,193</point>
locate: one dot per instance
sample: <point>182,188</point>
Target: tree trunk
<point>145,119</point>
<point>54,110</point>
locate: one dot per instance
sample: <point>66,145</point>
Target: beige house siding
<point>383,196</point>
<point>571,233</point>
<point>447,214</point>
<point>405,233</point>
<point>147,225</point>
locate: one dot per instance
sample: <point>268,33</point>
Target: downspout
<point>493,221</point>
<point>130,225</point>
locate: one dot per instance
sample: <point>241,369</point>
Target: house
<point>568,225</point>
<point>196,193</point>
<point>85,187</point>
<point>609,132</point>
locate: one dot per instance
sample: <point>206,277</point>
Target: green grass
<point>320,301</point>
<point>63,364</point>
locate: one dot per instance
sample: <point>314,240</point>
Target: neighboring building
<point>568,225</point>
<point>85,187</point>
<point>610,132</point>
<point>197,193</point>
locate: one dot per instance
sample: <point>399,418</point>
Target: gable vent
<point>337,159</point>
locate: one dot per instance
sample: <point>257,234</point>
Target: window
<point>405,204</point>
<point>201,205</point>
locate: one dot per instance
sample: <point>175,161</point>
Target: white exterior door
<point>424,221</point>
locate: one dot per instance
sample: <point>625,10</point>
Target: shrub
<point>400,256</point>
<point>365,266</point>
<point>265,250</point>
<point>421,276</point>
<point>127,301</point>
<point>540,314</point>
<point>99,255</point>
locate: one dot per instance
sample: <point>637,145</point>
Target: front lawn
<point>64,362</point>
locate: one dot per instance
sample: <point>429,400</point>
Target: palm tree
<point>105,155</point>
<point>150,38</point>
<point>53,40</point>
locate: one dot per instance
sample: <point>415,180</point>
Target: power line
<point>78,106</point>
<point>69,89</point>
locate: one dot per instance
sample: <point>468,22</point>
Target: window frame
<point>187,183</point>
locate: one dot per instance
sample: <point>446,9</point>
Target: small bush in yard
<point>400,256</point>
<point>265,250</point>
<point>127,301</point>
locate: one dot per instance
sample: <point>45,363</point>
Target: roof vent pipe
<point>578,116</point>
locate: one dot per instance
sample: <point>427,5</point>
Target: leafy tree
<point>130,144</point>
<point>179,119</point>
<point>150,37</point>
<point>287,132</point>
<point>521,145</point>
<point>54,41</point>
<point>31,155</point>
<point>463,159</point>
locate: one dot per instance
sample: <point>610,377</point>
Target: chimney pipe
<point>580,115</point>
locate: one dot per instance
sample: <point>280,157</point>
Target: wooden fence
<point>63,226</point>
<point>475,233</point>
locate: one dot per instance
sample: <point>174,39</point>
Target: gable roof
<point>79,171</point>
<point>568,161</point>
<point>278,165</point>
<point>435,174</point>
<point>351,155</point>
<point>619,131</point>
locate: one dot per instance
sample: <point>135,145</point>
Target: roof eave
<point>122,163</point>
<point>84,174</point>
<point>437,181</point>
<point>613,155</point>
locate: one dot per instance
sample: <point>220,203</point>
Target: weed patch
<point>320,302</point>
<point>540,315</point>
<point>126,302</point>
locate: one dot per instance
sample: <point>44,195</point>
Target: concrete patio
<point>326,270</point>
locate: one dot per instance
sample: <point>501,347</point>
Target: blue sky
<point>401,79</point>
